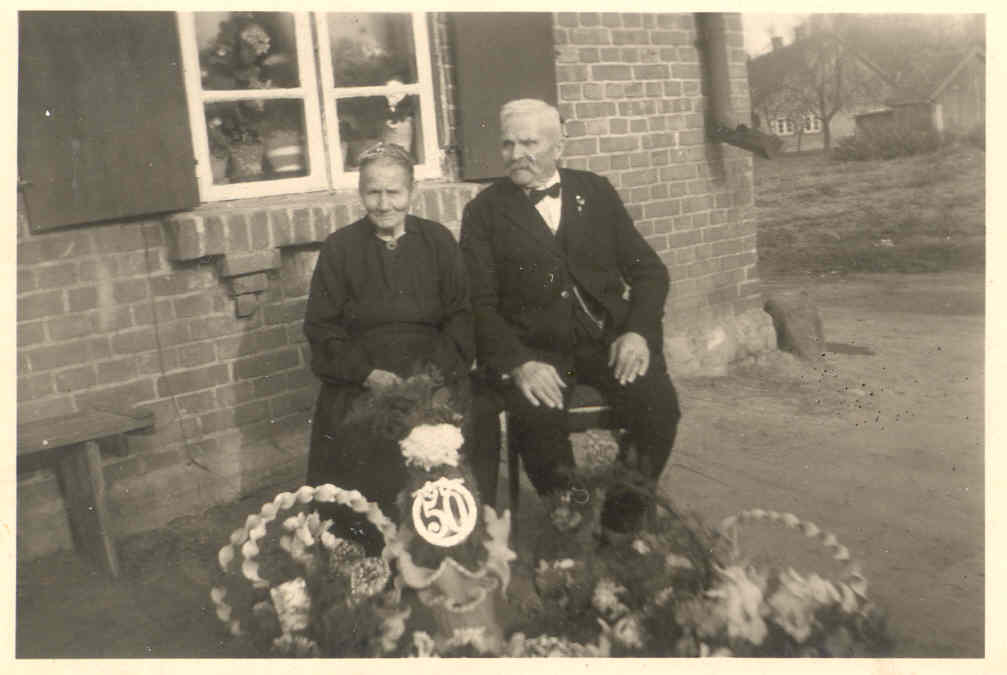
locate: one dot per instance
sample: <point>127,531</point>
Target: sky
<point>759,28</point>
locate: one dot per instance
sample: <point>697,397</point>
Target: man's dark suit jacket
<point>519,271</point>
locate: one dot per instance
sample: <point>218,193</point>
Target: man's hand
<point>540,384</point>
<point>631,357</point>
<point>381,379</point>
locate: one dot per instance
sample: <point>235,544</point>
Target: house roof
<point>767,70</point>
<point>925,86</point>
<point>874,113</point>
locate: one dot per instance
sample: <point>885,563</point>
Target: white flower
<point>295,645</point>
<point>738,601</point>
<point>672,561</point>
<point>641,547</point>
<point>295,522</point>
<point>293,605</point>
<point>628,631</point>
<point>793,605</point>
<point>606,599</point>
<point>424,645</point>
<point>823,592</point>
<point>662,598</point>
<point>704,651</point>
<point>473,635</point>
<point>430,445</point>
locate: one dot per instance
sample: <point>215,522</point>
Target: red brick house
<point>174,193</point>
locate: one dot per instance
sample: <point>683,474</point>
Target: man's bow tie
<point>538,195</point>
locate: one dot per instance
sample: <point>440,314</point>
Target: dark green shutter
<point>103,130</point>
<point>499,56</point>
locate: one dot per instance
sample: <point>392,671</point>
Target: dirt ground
<point>880,442</point>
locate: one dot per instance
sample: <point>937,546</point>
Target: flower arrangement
<point>678,590</point>
<point>438,588</point>
<point>305,592</point>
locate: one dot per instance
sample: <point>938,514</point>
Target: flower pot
<point>284,152</point>
<point>286,158</point>
<point>218,167</point>
<point>246,161</point>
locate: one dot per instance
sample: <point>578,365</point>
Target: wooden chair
<point>587,410</point>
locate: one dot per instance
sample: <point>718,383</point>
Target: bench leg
<point>84,492</point>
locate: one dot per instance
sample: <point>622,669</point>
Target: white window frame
<point>423,88</point>
<point>322,137</point>
<point>812,123</point>
<point>783,126</point>
<point>316,178</point>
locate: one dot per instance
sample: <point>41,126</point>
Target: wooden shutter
<point>103,130</point>
<point>499,56</point>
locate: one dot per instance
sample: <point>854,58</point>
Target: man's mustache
<point>521,164</point>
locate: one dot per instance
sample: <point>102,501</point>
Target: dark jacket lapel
<point>571,221</point>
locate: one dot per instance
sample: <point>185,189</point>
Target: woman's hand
<point>379,380</point>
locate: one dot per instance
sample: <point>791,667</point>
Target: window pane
<point>371,49</point>
<point>256,140</point>
<point>366,120</point>
<point>247,50</point>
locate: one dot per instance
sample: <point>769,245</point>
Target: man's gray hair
<point>532,106</point>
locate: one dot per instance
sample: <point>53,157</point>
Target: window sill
<point>247,235</point>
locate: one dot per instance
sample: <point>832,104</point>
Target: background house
<point>178,173</point>
<point>949,99</point>
<point>808,92</point>
<point>861,72</point>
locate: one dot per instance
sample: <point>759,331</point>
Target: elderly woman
<point>388,298</point>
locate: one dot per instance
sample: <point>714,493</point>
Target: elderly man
<point>565,290</point>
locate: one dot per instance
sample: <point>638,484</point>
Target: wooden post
<point>84,491</point>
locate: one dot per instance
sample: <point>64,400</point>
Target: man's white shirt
<point>551,207</point>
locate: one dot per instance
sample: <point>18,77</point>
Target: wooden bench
<point>72,443</point>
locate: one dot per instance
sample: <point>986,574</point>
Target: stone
<point>755,333</point>
<point>798,324</point>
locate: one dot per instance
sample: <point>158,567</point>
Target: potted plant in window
<point>399,117</point>
<point>390,118</point>
<point>240,58</point>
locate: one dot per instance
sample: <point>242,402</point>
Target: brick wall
<point>197,317</point>
<point>630,89</point>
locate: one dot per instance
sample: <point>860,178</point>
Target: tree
<point>818,74</point>
<point>916,51</point>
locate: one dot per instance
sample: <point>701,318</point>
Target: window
<point>267,119</point>
<point>782,126</point>
<point>812,124</point>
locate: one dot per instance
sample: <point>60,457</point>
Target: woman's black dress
<point>372,306</point>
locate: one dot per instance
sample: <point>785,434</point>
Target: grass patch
<point>914,214</point>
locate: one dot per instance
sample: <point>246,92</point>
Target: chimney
<point>777,42</point>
